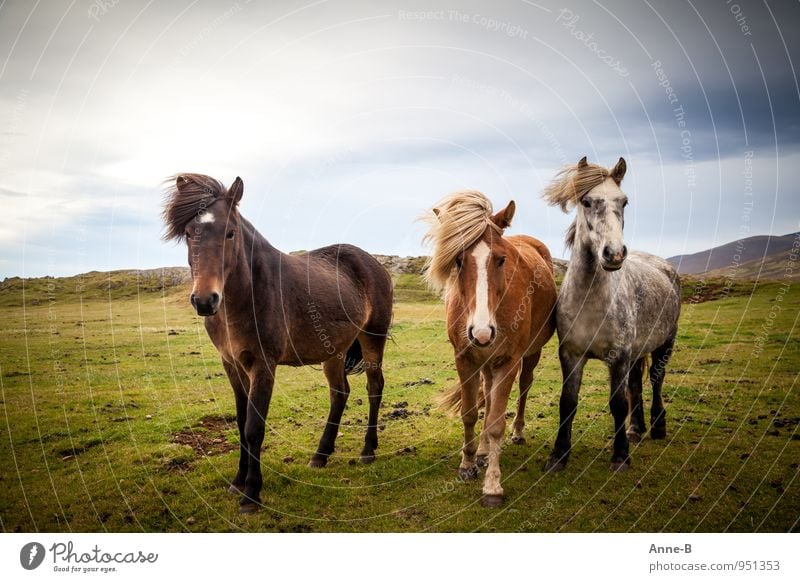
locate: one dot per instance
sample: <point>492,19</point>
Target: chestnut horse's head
<point>469,260</point>
<point>202,212</point>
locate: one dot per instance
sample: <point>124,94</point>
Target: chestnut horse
<point>263,308</point>
<point>500,297</point>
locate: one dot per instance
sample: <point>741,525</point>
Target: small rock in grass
<point>695,497</point>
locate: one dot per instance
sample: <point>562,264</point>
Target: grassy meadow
<point>115,415</point>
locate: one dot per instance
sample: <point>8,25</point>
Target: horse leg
<point>339,391</point>
<point>495,427</point>
<point>486,390</point>
<point>658,416</point>
<point>635,405</point>
<point>572,373</point>
<point>468,375</point>
<point>237,377</point>
<point>525,381</point>
<point>620,370</point>
<point>372,347</point>
<point>262,379</point>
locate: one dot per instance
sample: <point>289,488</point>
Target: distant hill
<point>770,268</point>
<point>739,259</point>
<point>16,291</point>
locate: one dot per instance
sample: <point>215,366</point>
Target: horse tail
<point>450,401</point>
<point>354,359</point>
<point>645,364</point>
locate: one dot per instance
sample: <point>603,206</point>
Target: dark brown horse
<point>263,308</point>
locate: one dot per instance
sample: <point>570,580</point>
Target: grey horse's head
<point>601,217</point>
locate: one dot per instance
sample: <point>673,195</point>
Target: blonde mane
<point>570,184</point>
<point>455,224</point>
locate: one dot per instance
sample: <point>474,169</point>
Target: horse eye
<point>624,204</point>
<point>586,203</point>
<point>501,261</point>
<point>459,262</point>
<point>230,235</point>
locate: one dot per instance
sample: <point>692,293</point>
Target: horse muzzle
<point>481,337</point>
<point>612,259</point>
<point>205,304</point>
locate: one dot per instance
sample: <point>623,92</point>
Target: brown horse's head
<point>200,211</point>
<point>481,279</point>
<point>469,260</point>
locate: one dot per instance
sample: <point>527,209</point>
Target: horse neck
<point>584,280</point>
<point>255,258</point>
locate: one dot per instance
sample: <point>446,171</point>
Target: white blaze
<point>206,218</point>
<point>482,319</point>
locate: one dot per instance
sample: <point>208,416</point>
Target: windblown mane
<point>181,206</point>
<point>569,185</point>
<point>455,224</point>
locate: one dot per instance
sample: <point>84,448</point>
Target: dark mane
<point>197,193</point>
<point>569,239</point>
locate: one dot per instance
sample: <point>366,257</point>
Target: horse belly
<point>322,335</point>
<point>656,323</point>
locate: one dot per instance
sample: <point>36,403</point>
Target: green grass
<point>109,390</point>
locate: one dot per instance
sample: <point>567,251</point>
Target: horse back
<point>355,271</point>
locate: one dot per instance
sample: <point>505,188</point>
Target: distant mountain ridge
<point>741,258</point>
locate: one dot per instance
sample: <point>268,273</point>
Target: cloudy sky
<point>347,119</point>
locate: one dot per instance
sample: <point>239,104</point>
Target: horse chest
<point>230,341</point>
<point>592,329</point>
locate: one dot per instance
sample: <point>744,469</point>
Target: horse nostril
<point>624,251</point>
<point>607,254</point>
<point>193,300</point>
<point>469,333</point>
<point>214,299</point>
<point>493,329</point>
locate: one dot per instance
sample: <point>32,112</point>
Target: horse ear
<point>181,182</point>
<point>618,173</point>
<point>437,212</point>
<point>236,190</point>
<point>582,163</point>
<point>504,217</point>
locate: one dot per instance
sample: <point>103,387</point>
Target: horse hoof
<point>634,437</point>
<point>468,474</point>
<point>518,440</point>
<point>317,462</point>
<point>658,432</point>
<point>492,501</point>
<point>248,508</point>
<point>482,460</point>
<point>555,465</point>
<point>620,466</point>
<point>368,458</point>
<point>235,489</point>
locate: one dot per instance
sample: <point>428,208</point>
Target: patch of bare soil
<point>207,437</point>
